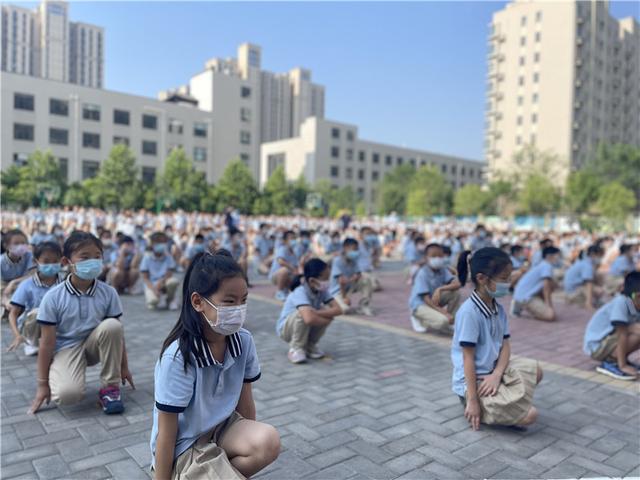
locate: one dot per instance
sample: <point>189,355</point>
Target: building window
<point>472,172</point>
<point>350,136</point>
<point>149,147</point>
<point>399,161</point>
<point>412,162</point>
<point>22,101</point>
<point>519,120</point>
<point>335,133</point>
<point>171,148</point>
<point>534,117</point>
<point>335,171</point>
<point>121,140</point>
<point>423,162</point>
<point>454,169</point>
<point>520,100</point>
<point>523,21</point>
<point>536,77</point>
<point>58,107</point>
<point>148,175</point>
<point>63,167</point>
<point>91,112</point>
<point>274,161</point>
<point>375,158</point>
<point>388,160</point>
<point>149,122</point>
<point>523,41</point>
<point>90,168</point>
<point>245,92</point>
<point>348,173</point>
<point>536,57</point>
<point>362,156</point>
<point>58,136</point>
<point>518,140</point>
<point>534,98</point>
<point>200,130</point>
<point>361,174</point>
<point>375,175</point>
<point>245,158</point>
<point>335,152</point>
<point>532,139</point>
<point>521,80</point>
<point>121,117</point>
<point>200,154</point>
<point>360,193</point>
<point>90,140</point>
<point>22,131</point>
<point>175,126</point>
<point>443,167</point>
<point>538,16</point>
<point>245,137</point>
<point>538,36</point>
<point>20,159</point>
<point>349,154</point>
<point>245,114</point>
<point>521,61</point>
<point>462,171</point>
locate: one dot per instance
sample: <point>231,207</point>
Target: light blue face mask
<point>353,255</point>
<point>49,269</point>
<point>160,248</point>
<point>89,269</point>
<point>502,289</point>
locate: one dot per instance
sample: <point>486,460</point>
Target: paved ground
<point>380,407</point>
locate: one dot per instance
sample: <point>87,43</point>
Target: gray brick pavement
<point>379,407</point>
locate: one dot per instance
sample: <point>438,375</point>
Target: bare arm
<point>547,289</point>
<point>165,444</point>
<point>472,411</point>
<point>312,317</point>
<point>14,312</point>
<point>45,356</point>
<point>588,295</point>
<point>246,406</point>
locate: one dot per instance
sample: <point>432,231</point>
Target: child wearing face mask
<point>204,419</point>
<point>80,327</point>
<point>27,297</point>
<point>346,280</point>
<point>308,311</point>
<point>580,279</point>
<point>495,389</point>
<point>157,269</point>
<point>435,295</point>
<point>16,264</point>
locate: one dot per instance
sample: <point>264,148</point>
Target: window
<point>523,21</point>
<point>423,162</point>
<point>149,147</point>
<point>536,57</point>
<point>58,107</point>
<point>462,171</point>
<point>538,36</point>
<point>175,126</point>
<point>148,175</point>
<point>335,133</point>
<point>521,80</point>
<point>350,135</point>
<point>335,171</point>
<point>58,136</point>
<point>534,117</point>
<point>375,158</point>
<point>245,158</point>
<point>335,152</point>
<point>399,161</point>
<point>348,173</point>
<point>274,161</point>
<point>22,101</point>
<point>63,166</point>
<point>349,154</point>
<point>172,147</point>
<point>22,131</point>
<point>199,129</point>
<point>412,162</point>
<point>519,120</point>
<point>20,159</point>
<point>245,92</point>
<point>149,122</point>
<point>538,16</point>
<point>534,98</point>
<point>521,61</point>
<point>443,168</point>
<point>518,140</point>
<point>90,140</point>
<point>520,100</point>
<point>523,41</point>
<point>375,176</point>
<point>120,117</point>
<point>536,77</point>
<point>91,112</point>
<point>90,168</point>
<point>199,154</point>
<point>532,139</point>
<point>360,193</point>
<point>245,114</point>
<point>388,160</point>
<point>245,137</point>
<point>361,174</point>
<point>121,140</point>
<point>362,155</point>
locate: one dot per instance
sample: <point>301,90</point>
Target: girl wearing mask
<point>16,264</point>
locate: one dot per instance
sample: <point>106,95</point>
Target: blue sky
<point>410,74</point>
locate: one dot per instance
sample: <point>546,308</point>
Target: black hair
<point>430,246</point>
<point>105,230</point>
<point>545,241</point>
<point>288,233</point>
<point>7,237</point>
<point>446,249</point>
<point>480,226</point>
<point>350,242</point>
<point>631,283</point>
<point>313,268</point>
<point>233,231</point>
<point>126,239</point>
<point>44,247</point>
<point>418,239</point>
<point>595,249</point>
<point>305,233</point>
<point>199,236</point>
<point>516,248</point>
<point>489,261</point>
<point>204,276</point>
<point>262,225</point>
<point>549,251</point>
<point>624,248</point>
<point>158,237</point>
<point>79,239</point>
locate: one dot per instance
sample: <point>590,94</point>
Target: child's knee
<point>68,394</point>
<point>539,374</point>
<point>111,327</point>
<point>268,442</point>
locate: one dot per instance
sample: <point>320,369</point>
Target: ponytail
<point>463,267</point>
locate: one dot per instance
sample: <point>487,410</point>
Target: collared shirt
<point>618,311</point>
<point>157,267</point>
<point>481,326</point>
<point>285,253</point>
<point>193,250</point>
<point>300,297</point>
<point>426,282</point>
<point>621,266</point>
<point>208,392</point>
<point>11,270</point>
<point>364,260</point>
<point>128,257</point>
<point>578,274</point>
<point>235,249</point>
<point>262,246</point>
<point>340,266</point>
<point>412,254</point>
<point>301,250</point>
<point>478,242</point>
<point>75,314</point>
<point>537,257</point>
<point>29,295</point>
<point>532,282</point>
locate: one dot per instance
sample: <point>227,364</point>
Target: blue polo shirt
<point>208,392</point>
<point>412,254</point>
<point>618,311</point>
<point>262,246</point>
<point>75,314</point>
<point>157,267</point>
<point>578,274</point>
<point>300,297</point>
<point>426,282</point>
<point>115,255</point>
<point>483,327</point>
<point>287,254</point>
<point>341,266</point>
<point>364,260</point>
<point>333,247</point>
<point>29,295</point>
<point>235,249</point>
<point>301,250</point>
<point>195,249</point>
<point>532,282</point>
<point>621,266</point>
<point>11,270</point>
<point>537,257</point>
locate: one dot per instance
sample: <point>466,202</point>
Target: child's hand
<point>489,386</point>
<point>435,298</point>
<point>16,343</point>
<point>126,376</point>
<point>42,394</point>
<point>472,413</point>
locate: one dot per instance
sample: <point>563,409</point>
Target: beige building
<point>563,76</point>
<point>331,150</point>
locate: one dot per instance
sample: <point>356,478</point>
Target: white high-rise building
<point>44,43</point>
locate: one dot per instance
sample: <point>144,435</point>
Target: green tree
<point>180,185</point>
<point>276,196</point>
<point>117,184</point>
<point>615,201</point>
<point>530,161</point>
<point>40,181</point>
<point>429,193</point>
<point>392,194</point>
<point>618,163</point>
<point>9,179</point>
<point>538,196</point>
<point>299,191</point>
<point>501,198</point>
<point>583,187</point>
<point>470,200</point>
<point>76,195</point>
<point>237,187</point>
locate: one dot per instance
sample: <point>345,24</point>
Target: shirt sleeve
<point>546,271</point>
<point>252,365</point>
<point>173,386</point>
<point>144,264</point>
<point>586,272</point>
<point>469,330</point>
<point>619,312</point>
<point>448,277</point>
<point>48,310</point>
<point>114,310</point>
<point>337,267</point>
<point>422,286</point>
<point>171,264</point>
<point>327,297</point>
<point>20,297</point>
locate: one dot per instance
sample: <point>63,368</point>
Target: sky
<point>408,74</point>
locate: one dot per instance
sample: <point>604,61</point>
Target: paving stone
<point>595,466</point>
<point>486,467</point>
<point>126,470</point>
<point>624,460</point>
<point>550,456</point>
<point>30,454</point>
<point>74,449</point>
<point>97,473</point>
<point>10,442</point>
<point>51,467</point>
<point>331,457</point>
<point>98,460</point>
<point>608,444</point>
<point>438,470</point>
<point>17,469</point>
<point>368,435</point>
<point>565,469</point>
<point>370,451</point>
<point>367,467</point>
<point>408,461</point>
<point>140,453</point>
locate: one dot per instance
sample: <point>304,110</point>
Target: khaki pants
<point>31,327</point>
<point>170,287</point>
<point>432,318</point>
<point>363,286</point>
<point>205,459</point>
<point>104,345</point>
<point>606,348</point>
<point>298,334</point>
<point>538,308</point>
<point>577,297</point>
<point>375,281</point>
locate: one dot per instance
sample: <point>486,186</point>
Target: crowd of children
<point>61,293</point>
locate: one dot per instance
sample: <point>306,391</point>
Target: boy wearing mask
<point>157,269</point>
<point>346,279</point>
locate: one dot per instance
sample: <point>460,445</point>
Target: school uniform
<point>600,338</point>
<point>10,271</point>
<point>341,266</point>
<point>291,327</point>
<point>478,242</point>
<point>365,263</point>
<point>157,268</point>
<point>235,249</point>
<point>617,271</point>
<point>205,398</point>
<point>262,247</point>
<point>426,282</point>
<point>287,254</point>
<point>193,250</point>
<point>485,328</point>
<point>576,277</point>
<point>87,332</point>
<point>528,291</point>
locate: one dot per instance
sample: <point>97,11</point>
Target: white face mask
<point>437,262</point>
<point>230,319</point>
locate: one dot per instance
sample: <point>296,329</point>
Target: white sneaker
<point>515,309</point>
<point>281,295</point>
<point>315,353</point>
<point>173,306</point>
<point>297,356</point>
<point>417,326</point>
<point>30,350</point>
<point>162,303</point>
<point>366,311</point>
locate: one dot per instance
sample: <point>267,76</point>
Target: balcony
<point>577,105</point>
<point>576,126</point>
<point>579,41</point>
<point>579,62</point>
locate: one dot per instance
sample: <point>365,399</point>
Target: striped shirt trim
<point>74,291</point>
<point>484,309</point>
<point>204,356</point>
<point>38,281</point>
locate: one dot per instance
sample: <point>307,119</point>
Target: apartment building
<point>563,76</point>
